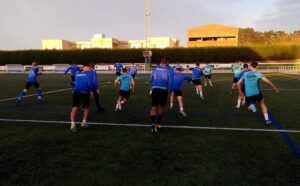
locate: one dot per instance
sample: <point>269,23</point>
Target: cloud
<point>282,15</point>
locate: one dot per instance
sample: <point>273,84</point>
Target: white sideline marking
<point>144,125</point>
<point>285,89</point>
<point>54,91</point>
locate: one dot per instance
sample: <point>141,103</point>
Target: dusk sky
<point>24,23</point>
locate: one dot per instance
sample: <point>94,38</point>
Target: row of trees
<point>248,37</point>
<point>187,55</point>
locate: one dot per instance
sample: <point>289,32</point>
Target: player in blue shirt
<point>161,79</point>
<point>118,68</point>
<point>207,69</point>
<point>236,69</point>
<point>241,98</point>
<point>178,66</point>
<point>176,88</point>
<point>132,70</point>
<point>197,72</point>
<point>32,81</point>
<point>124,84</point>
<point>95,87</point>
<point>73,69</point>
<point>83,91</point>
<point>252,90</point>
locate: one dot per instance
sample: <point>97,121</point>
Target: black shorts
<point>81,99</point>
<point>118,73</point>
<point>177,92</point>
<point>207,76</point>
<point>73,78</point>
<point>253,99</point>
<point>133,75</point>
<point>235,80</point>
<point>243,88</point>
<point>125,94</point>
<point>30,84</point>
<point>196,81</point>
<point>159,97</point>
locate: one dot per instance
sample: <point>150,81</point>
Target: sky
<point>24,23</point>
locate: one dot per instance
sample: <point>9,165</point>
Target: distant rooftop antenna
<point>147,53</point>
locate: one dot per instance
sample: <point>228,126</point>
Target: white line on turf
<point>285,89</point>
<point>144,125</point>
<point>54,91</point>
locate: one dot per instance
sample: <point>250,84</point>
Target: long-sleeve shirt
<point>74,69</point>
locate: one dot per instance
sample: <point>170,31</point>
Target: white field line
<point>144,125</point>
<point>285,89</point>
<point>54,91</point>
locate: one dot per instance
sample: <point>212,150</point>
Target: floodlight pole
<point>148,34</point>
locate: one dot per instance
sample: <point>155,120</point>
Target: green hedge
<point>188,55</point>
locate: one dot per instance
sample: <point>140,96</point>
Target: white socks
<point>239,102</point>
<point>266,115</point>
<point>201,94</point>
<point>181,108</point>
<point>197,91</point>
<point>72,124</point>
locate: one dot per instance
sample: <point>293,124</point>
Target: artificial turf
<point>49,154</point>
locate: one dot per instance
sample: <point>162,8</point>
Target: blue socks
<point>39,92</point>
<point>21,95</point>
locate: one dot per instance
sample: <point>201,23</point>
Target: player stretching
<point>73,69</point>
<point>83,90</point>
<point>160,80</point>
<point>95,87</point>
<point>196,79</point>
<point>32,81</point>
<point>177,89</point>
<point>207,74</point>
<point>118,68</point>
<point>253,94</point>
<point>126,83</point>
<point>132,70</point>
<point>236,68</point>
<point>241,98</point>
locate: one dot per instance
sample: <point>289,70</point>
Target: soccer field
<point>216,144</point>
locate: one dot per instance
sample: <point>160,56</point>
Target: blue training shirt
<point>33,74</point>
<point>251,80</point>
<point>179,79</point>
<point>125,80</point>
<point>197,73</point>
<point>132,70</point>
<point>161,77</point>
<point>83,82</point>
<point>74,69</point>
<point>118,67</point>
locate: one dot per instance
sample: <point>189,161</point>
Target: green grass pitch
<point>49,154</point>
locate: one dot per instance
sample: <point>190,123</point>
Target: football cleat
<point>182,113</point>
<point>73,128</point>
<point>268,122</point>
<point>154,128</point>
<point>252,108</point>
<point>84,125</point>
